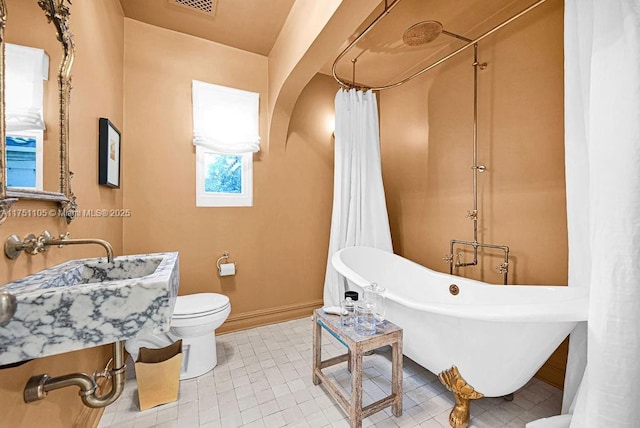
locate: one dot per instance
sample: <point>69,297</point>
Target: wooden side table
<point>357,345</point>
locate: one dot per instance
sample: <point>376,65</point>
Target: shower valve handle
<point>503,268</point>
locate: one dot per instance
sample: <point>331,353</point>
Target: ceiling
<point>250,25</point>
<point>382,57</point>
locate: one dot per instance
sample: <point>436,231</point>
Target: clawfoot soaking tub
<point>497,336</point>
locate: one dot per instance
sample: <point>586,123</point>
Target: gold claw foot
<point>463,392</point>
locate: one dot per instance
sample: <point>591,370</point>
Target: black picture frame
<point>109,154</point>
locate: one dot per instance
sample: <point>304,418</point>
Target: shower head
<point>422,33</point>
<point>426,32</point>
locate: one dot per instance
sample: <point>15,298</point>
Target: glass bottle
<point>375,293</point>
<point>347,312</point>
<point>365,322</point>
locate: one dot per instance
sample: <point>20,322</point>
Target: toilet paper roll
<point>227,269</point>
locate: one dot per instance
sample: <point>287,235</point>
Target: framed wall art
<point>110,144</point>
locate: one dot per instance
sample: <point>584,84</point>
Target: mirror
<point>57,13</point>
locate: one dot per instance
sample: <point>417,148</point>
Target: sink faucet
<point>46,240</point>
<point>36,245</point>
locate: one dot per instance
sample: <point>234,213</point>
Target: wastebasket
<point>158,375</point>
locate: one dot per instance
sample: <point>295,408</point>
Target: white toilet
<point>195,319</point>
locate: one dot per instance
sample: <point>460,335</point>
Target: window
<point>223,180</point>
<point>26,69</point>
<point>24,159</point>
<point>225,122</point>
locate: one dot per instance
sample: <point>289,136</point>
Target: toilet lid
<point>200,303</point>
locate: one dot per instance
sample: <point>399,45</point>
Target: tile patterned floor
<point>263,379</point>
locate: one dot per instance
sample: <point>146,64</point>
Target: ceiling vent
<point>207,7</point>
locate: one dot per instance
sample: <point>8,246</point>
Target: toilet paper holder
<point>222,261</point>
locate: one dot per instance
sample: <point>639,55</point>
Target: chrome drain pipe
<point>38,386</point>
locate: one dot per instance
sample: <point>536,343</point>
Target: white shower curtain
<point>602,142</point>
<point>359,209</point>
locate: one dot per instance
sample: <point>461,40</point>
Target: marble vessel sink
<point>89,302</point>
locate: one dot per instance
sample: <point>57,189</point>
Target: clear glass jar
<point>375,293</point>
<point>365,322</point>
<point>347,312</point>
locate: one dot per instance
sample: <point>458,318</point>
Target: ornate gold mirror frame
<point>57,12</point>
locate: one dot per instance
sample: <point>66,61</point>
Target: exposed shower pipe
<point>473,214</point>
<point>385,12</point>
<point>502,268</point>
<point>475,167</point>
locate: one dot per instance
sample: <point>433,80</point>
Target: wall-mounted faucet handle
<point>63,237</point>
<point>503,268</point>
<point>459,259</point>
<point>45,236</point>
<point>33,245</point>
<point>46,239</point>
<point>43,241</point>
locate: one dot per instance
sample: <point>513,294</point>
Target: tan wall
<point>97,92</point>
<point>280,243</point>
<point>426,137</point>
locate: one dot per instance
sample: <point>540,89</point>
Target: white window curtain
<point>25,70</point>
<point>225,120</point>
<point>602,149</point>
<point>359,208</point>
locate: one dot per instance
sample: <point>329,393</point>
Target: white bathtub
<point>498,336</point>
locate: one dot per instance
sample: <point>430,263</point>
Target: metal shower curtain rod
<point>387,8</point>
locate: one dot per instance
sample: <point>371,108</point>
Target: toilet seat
<point>200,305</point>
